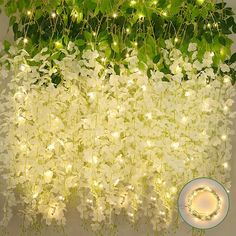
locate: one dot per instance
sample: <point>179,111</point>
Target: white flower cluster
<point>117,143</point>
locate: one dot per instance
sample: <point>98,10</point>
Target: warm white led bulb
<point>61,198</point>
<point>115,134</point>
<point>187,93</point>
<point>68,168</point>
<point>178,69</point>
<point>94,159</point>
<point>130,187</point>
<point>226,165</point>
<point>226,108</point>
<point>89,201</point>
<point>149,115</point>
<point>144,88</point>
<point>149,143</point>
<point>175,145</point>
<point>176,40</point>
<point>184,119</point>
<point>51,146</point>
<point>53,15</point>
<point>117,182</point>
<point>208,25</point>
<point>224,137</point>
<point>131,214</point>
<point>162,213</point>
<point>35,195</point>
<point>173,189</point>
<point>153,198</point>
<point>48,176</point>
<point>25,40</point>
<point>164,13</point>
<point>91,95</point>
<point>22,67</point>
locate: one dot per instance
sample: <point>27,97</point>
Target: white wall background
<point>74,227</point>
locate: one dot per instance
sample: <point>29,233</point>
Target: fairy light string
<point>206,216</point>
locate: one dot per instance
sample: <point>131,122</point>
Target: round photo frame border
<point>228,198</point>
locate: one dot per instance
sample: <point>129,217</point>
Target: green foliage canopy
<point>115,26</point>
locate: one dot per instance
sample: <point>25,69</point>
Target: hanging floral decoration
<point>113,106</point>
<point>117,143</point>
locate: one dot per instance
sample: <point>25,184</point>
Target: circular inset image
<point>203,203</point>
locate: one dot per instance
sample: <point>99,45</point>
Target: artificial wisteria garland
<point>119,142</point>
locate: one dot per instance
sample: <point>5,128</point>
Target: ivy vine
<point>114,27</point>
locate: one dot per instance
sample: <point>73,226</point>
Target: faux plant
<point>115,105</point>
<point>116,27</point>
<point>117,144</point>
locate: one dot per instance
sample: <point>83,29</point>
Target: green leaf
<point>6,45</point>
<point>65,19</point>
<point>233,58</point>
<point>38,14</point>
<point>80,42</point>
<point>162,3</point>
<point>220,5</point>
<point>225,28</point>
<point>150,46</point>
<point>149,74</point>
<point>11,8</point>
<point>189,32</point>
<point>12,20</point>
<point>130,10</point>
<point>34,63</point>
<point>115,44</point>
<point>56,78</point>
<point>195,13</point>
<point>233,77</point>
<point>66,39</point>
<point>117,69</point>
<point>88,36</point>
<point>230,21</point>
<point>175,7</point>
<point>156,59</point>
<point>106,6</point>
<point>142,54</point>
<point>234,28</point>
<point>108,52</point>
<point>229,11</point>
<point>204,13</point>
<point>55,55</point>
<point>222,40</point>
<point>80,17</point>
<point>208,38</point>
